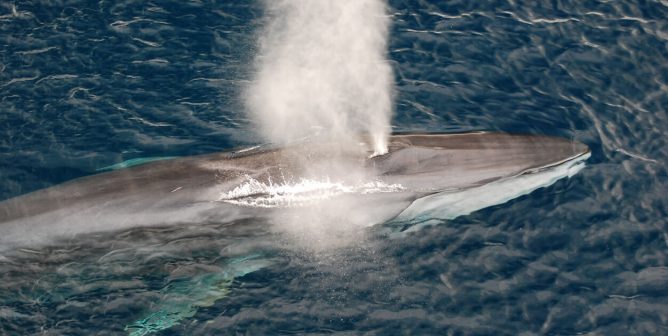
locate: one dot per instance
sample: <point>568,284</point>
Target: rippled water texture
<point>85,85</point>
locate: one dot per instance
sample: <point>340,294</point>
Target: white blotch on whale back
<point>255,193</point>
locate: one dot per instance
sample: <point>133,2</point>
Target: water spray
<point>322,69</point>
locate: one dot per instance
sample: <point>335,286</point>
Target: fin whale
<point>445,175</point>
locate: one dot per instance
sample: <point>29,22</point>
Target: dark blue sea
<point>86,85</point>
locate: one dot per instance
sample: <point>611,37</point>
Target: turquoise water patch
<point>135,162</point>
<point>182,299</point>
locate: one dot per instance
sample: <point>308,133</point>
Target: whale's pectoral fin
<point>181,299</point>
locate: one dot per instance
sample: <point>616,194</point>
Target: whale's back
<point>188,190</point>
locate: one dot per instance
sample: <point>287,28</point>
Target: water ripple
<point>91,84</point>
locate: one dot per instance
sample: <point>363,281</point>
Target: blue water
<point>86,85</point>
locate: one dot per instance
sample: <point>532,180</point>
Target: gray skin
<point>188,190</point>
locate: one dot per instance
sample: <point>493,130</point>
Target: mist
<point>322,72</point>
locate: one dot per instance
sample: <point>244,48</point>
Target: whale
<point>423,179</point>
<point>423,176</point>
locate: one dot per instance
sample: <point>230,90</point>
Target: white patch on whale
<point>286,194</point>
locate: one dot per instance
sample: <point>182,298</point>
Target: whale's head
<point>441,162</point>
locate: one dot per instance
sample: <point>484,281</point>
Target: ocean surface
<point>86,85</point>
